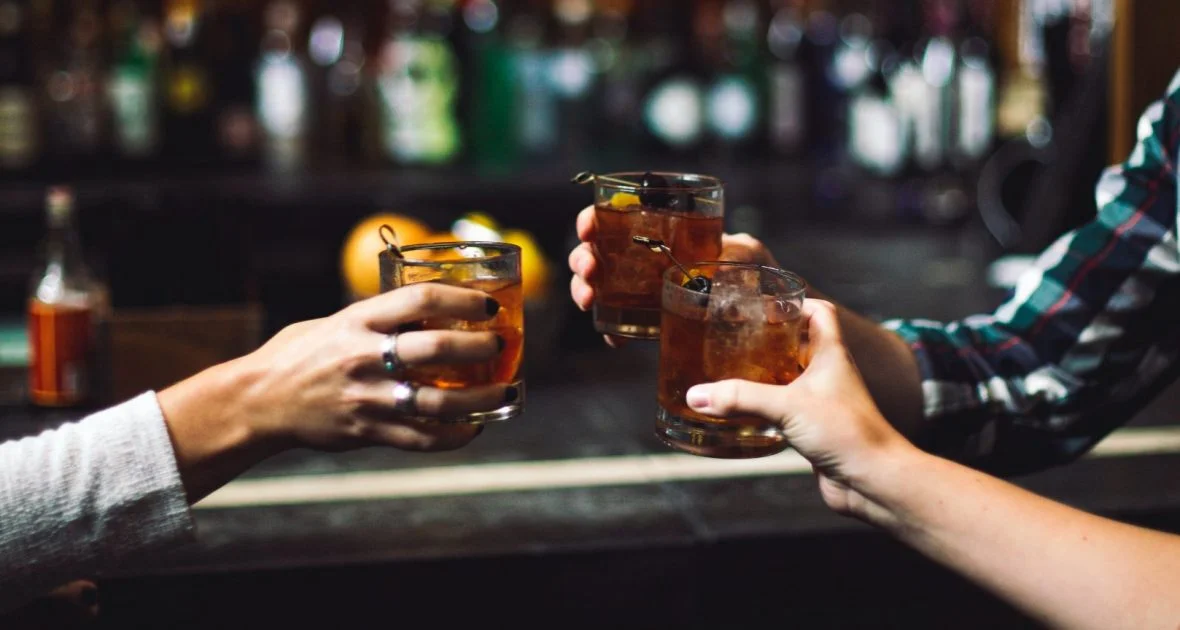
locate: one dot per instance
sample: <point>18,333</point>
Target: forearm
<point>208,417</point>
<point>1061,565</point>
<point>887,365</point>
<point>90,496</point>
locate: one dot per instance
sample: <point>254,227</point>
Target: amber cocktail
<point>493,268</point>
<point>746,326</point>
<point>682,210</point>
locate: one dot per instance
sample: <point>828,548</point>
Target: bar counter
<point>574,514</point>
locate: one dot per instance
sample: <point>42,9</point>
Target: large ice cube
<point>736,297</point>
<point>736,319</point>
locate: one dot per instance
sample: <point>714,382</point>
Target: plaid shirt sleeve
<point>1089,336</point>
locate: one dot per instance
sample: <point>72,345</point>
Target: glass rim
<point>711,184</point>
<point>798,288</point>
<point>506,249</point>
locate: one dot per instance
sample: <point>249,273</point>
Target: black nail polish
<point>89,596</point>
<point>500,343</point>
<point>493,306</point>
<point>510,393</point>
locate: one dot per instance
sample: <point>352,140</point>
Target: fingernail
<point>493,306</point>
<point>499,343</point>
<point>480,429</point>
<point>697,397</point>
<point>510,393</point>
<point>89,596</point>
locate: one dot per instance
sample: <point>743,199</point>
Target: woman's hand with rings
<point>324,383</point>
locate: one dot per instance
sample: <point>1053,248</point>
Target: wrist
<point>212,436</point>
<point>888,480</point>
<point>241,385</point>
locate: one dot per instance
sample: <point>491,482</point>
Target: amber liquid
<point>632,275</point>
<point>695,350</point>
<point>61,338</point>
<point>508,323</point>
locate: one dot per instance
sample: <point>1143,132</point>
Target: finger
<point>824,338</point>
<point>587,225</point>
<point>447,346</point>
<point>424,300</point>
<point>737,398</point>
<point>441,404</point>
<point>745,248</point>
<point>451,403</point>
<point>582,293</point>
<point>411,435</point>
<point>583,262</point>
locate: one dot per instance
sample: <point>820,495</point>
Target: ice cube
<point>734,302</point>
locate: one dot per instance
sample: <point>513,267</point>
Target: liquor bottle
<point>938,63</point>
<point>190,136</point>
<point>787,91</point>
<point>622,62</point>
<point>282,84</point>
<point>976,89</point>
<point>19,134</point>
<point>573,75</point>
<point>65,309</point>
<point>674,102</point>
<point>537,108</point>
<point>876,136</point>
<point>417,85</point>
<point>75,107</point>
<point>824,98</point>
<point>487,76</point>
<point>336,48</point>
<point>734,99</point>
<point>132,87</point>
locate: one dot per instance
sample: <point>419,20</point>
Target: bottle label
<point>417,86</point>
<point>61,340</point>
<point>132,96</point>
<point>786,109</point>
<point>17,142</point>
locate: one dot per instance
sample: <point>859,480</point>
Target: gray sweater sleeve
<point>88,497</point>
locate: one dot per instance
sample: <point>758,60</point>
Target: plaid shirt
<point>1089,336</point>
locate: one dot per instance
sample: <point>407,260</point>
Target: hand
<point>827,413</point>
<point>583,261</point>
<point>322,384</point>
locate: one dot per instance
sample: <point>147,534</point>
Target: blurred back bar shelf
<point>221,151</point>
<point>260,97</point>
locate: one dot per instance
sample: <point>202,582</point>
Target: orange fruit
<point>534,268</point>
<point>358,257</point>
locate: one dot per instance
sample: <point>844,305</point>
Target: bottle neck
<point>63,249</point>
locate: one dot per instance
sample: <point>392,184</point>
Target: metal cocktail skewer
<point>585,177</point>
<point>695,283</point>
<point>390,243</point>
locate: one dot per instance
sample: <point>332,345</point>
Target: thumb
<point>824,338</point>
<point>736,398</point>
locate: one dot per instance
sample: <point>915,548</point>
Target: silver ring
<point>389,353</point>
<point>405,398</point>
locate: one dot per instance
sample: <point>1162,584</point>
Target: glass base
<point>723,441</point>
<point>507,412</point>
<point>636,323</point>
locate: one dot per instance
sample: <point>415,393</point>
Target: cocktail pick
<point>390,241</point>
<point>697,283</point>
<point>586,177</point>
